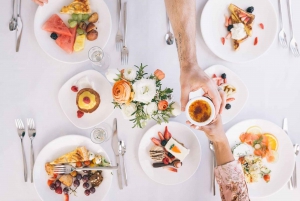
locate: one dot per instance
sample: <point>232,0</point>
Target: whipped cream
<point>238,31</point>
<point>84,82</point>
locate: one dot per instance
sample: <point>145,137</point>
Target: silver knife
<point>19,26</point>
<point>285,128</point>
<point>115,146</point>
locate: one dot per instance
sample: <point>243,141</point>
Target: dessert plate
<point>281,170</point>
<point>52,49</point>
<point>213,29</point>
<point>190,164</point>
<point>67,100</point>
<point>241,95</point>
<point>58,147</point>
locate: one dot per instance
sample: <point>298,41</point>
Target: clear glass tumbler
<point>100,59</point>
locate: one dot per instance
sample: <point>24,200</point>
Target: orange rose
<point>122,92</point>
<point>163,105</point>
<point>159,74</point>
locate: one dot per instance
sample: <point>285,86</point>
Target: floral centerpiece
<point>140,96</point>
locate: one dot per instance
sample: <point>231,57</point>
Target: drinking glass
<point>100,59</point>
<point>101,133</point>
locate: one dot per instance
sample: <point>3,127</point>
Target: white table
<point>30,81</point>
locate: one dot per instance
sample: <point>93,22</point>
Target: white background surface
<point>30,80</point>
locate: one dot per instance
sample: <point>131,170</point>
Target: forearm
<point>182,15</point>
<point>223,151</point>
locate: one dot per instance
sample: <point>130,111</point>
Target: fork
<point>66,169</point>
<point>282,35</point>
<point>124,53</point>
<point>211,146</point>
<point>293,43</point>
<point>21,132</point>
<point>119,37</point>
<point>31,134</point>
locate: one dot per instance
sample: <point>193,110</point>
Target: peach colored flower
<point>121,92</point>
<point>163,105</point>
<point>159,74</point>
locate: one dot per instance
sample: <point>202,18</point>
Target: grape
<point>86,171</point>
<point>57,183</point>
<point>52,186</point>
<point>76,183</point>
<point>86,185</point>
<point>87,192</point>
<point>73,24</point>
<point>66,190</point>
<point>92,190</point>
<point>79,176</point>
<point>79,17</point>
<point>74,16</point>
<point>80,31</point>
<point>85,17</point>
<point>85,178</point>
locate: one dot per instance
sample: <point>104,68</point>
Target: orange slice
<point>273,142</point>
<point>175,149</point>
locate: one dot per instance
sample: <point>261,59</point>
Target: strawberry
<point>229,99</point>
<point>156,141</point>
<point>78,164</point>
<point>55,176</point>
<point>267,178</point>
<point>66,197</point>
<point>228,35</point>
<point>166,161</point>
<point>223,40</point>
<point>242,15</point>
<point>160,135</point>
<point>255,41</point>
<point>74,88</point>
<point>246,20</point>
<point>80,114</point>
<point>58,190</point>
<point>167,134</point>
<point>262,26</point>
<point>50,181</point>
<point>172,169</point>
<point>214,76</point>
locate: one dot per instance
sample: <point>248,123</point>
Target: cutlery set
<point>31,134</point>
<point>120,43</point>
<point>16,24</point>
<point>282,36</point>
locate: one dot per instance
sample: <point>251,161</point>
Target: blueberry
<point>250,9</point>
<point>163,143</point>
<point>170,155</point>
<point>223,76</point>
<point>227,106</point>
<point>78,176</point>
<point>54,36</point>
<point>229,27</point>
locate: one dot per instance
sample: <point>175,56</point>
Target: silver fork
<point>21,132</point>
<point>31,134</point>
<point>119,37</point>
<point>66,169</point>
<point>293,43</point>
<point>124,53</point>
<point>282,35</point>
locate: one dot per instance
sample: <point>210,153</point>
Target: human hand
<point>40,2</point>
<point>194,78</point>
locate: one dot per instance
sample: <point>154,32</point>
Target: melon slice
<point>56,25</point>
<point>67,42</point>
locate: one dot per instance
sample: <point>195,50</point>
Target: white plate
<point>43,13</point>
<point>61,146</point>
<point>67,100</point>
<point>213,29</point>
<point>241,96</point>
<point>281,171</point>
<point>190,164</point>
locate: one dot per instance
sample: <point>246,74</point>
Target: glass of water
<point>101,133</point>
<point>100,59</point>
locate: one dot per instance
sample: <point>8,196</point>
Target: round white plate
<point>43,13</point>
<point>56,148</point>
<point>241,95</point>
<point>281,171</point>
<point>67,100</point>
<point>190,164</point>
<point>213,29</point>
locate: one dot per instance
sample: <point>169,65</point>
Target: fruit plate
<point>67,100</point>
<point>213,29</point>
<point>43,13</point>
<point>241,95</point>
<point>191,163</point>
<point>55,149</point>
<point>281,170</point>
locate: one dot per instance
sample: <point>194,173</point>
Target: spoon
<point>122,151</point>
<point>169,36</point>
<point>13,20</point>
<point>296,149</point>
<point>211,146</point>
<point>175,163</point>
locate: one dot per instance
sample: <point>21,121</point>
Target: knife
<point>115,146</point>
<point>285,128</point>
<point>19,26</point>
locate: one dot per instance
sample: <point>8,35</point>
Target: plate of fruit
<point>169,153</point>
<point>77,151</point>
<point>66,30</point>
<point>265,153</point>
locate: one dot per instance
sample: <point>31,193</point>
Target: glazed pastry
<point>87,100</point>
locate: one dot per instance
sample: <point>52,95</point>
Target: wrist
<point>189,65</point>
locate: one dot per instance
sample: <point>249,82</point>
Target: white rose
<point>176,109</point>
<point>112,75</point>
<point>150,108</point>
<point>127,110</point>
<point>129,74</point>
<point>144,90</point>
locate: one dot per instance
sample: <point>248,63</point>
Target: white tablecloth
<point>30,80</point>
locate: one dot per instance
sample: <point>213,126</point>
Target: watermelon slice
<point>67,42</point>
<point>56,25</point>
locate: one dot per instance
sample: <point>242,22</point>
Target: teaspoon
<point>169,36</point>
